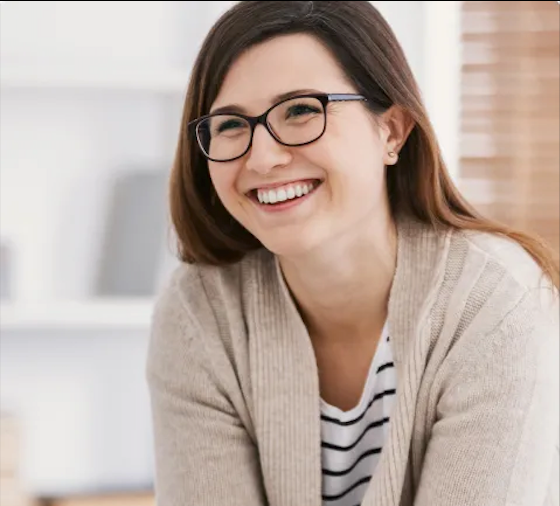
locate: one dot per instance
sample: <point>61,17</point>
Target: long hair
<point>365,46</point>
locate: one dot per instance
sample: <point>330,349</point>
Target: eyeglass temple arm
<point>335,97</point>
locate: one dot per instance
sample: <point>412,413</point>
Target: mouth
<point>284,196</point>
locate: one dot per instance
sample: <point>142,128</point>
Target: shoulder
<point>493,286</point>
<point>464,275</point>
<point>504,319</point>
<point>497,268</point>
<point>197,322</point>
<point>504,254</point>
<point>194,285</point>
<point>198,296</point>
<point>477,290</point>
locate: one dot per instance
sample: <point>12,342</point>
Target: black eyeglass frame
<point>324,98</point>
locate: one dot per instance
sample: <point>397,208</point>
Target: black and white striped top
<point>351,441</point>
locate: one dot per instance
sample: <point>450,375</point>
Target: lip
<point>286,205</point>
<point>270,186</point>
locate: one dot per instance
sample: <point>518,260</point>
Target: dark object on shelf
<point>135,235</point>
<point>6,266</point>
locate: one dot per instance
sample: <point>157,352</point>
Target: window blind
<point>509,162</point>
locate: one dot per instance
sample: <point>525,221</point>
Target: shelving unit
<point>102,313</point>
<point>67,78</point>
<point>90,93</point>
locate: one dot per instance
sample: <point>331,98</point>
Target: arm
<point>496,439</point>
<point>203,454</point>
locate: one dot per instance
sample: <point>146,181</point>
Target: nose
<point>266,153</point>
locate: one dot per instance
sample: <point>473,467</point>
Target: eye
<point>229,124</point>
<point>299,110</point>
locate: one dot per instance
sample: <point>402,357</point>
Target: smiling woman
<point>334,121</point>
<point>345,328</point>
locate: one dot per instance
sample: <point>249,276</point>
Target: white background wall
<point>88,89</point>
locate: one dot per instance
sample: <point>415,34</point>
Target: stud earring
<point>393,156</point>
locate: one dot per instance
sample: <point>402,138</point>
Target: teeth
<point>285,193</point>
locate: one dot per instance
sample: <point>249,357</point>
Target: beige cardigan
<point>235,398</point>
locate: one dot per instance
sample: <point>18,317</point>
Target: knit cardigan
<point>235,397</point>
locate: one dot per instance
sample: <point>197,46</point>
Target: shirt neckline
<point>380,353</point>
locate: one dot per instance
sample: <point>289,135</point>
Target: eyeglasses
<point>295,121</point>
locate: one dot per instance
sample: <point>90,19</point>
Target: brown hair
<point>365,46</point>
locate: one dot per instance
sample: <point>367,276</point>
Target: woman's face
<point>295,199</point>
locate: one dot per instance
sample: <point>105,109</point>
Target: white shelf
<point>105,79</point>
<point>118,313</point>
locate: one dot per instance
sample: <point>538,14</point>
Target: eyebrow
<point>236,108</point>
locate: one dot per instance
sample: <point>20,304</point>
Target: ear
<point>397,125</point>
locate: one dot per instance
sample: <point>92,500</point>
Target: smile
<point>284,197</point>
<point>279,194</point>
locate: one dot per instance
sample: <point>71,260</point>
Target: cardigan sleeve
<point>495,441</point>
<point>203,454</point>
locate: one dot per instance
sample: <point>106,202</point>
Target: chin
<point>289,245</point>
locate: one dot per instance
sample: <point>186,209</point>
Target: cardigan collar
<point>279,342</point>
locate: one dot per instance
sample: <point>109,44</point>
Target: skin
<point>337,248</point>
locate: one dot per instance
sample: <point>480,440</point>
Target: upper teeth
<point>287,192</point>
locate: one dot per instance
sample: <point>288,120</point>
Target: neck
<point>343,289</point>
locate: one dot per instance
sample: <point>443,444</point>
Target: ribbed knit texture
<point>474,332</point>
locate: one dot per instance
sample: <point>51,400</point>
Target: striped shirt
<point>351,441</point>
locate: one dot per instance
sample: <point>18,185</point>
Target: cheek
<point>352,160</point>
<point>364,146</point>
<point>224,176</point>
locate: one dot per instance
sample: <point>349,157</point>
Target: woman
<point>344,328</point>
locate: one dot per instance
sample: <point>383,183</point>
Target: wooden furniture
<point>12,490</point>
<point>132,498</point>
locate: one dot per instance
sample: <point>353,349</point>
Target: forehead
<point>278,66</point>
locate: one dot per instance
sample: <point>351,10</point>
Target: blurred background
<point>91,95</point>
